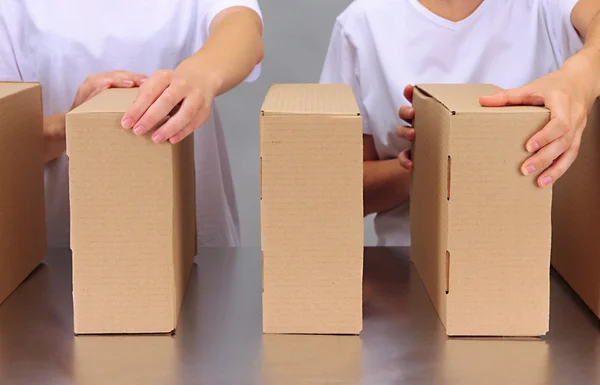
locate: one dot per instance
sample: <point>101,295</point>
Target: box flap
<point>10,88</point>
<point>310,99</point>
<point>464,98</point>
<point>111,100</point>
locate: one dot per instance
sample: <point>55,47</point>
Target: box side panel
<point>429,198</point>
<point>499,229</point>
<point>121,192</point>
<point>22,214</point>
<point>312,224</point>
<point>184,226</point>
<point>575,219</point>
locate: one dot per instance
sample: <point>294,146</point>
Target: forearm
<point>54,137</point>
<point>386,185</point>
<point>231,52</point>
<point>586,19</point>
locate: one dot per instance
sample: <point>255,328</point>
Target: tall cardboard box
<point>132,221</point>
<point>22,207</point>
<point>311,210</point>
<point>576,219</point>
<point>481,231</point>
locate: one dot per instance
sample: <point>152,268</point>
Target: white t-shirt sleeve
<point>341,67</point>
<point>564,37</point>
<point>214,7</point>
<point>9,69</point>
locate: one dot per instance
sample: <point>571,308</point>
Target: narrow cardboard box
<point>22,207</point>
<point>576,219</point>
<point>132,221</point>
<point>311,210</point>
<point>481,231</point>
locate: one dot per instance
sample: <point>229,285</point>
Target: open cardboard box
<point>481,231</point>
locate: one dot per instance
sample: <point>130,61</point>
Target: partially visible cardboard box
<point>480,230</point>
<point>132,221</point>
<point>576,218</point>
<point>22,207</point>
<point>311,210</point>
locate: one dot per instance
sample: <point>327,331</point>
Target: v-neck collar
<point>454,25</point>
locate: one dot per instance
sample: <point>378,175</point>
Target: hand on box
<point>569,94</point>
<point>158,96</point>
<point>97,83</point>
<point>406,132</point>
<point>54,126</point>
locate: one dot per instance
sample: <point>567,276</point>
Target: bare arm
<point>231,52</point>
<point>54,137</point>
<point>229,55</point>
<point>385,182</point>
<point>568,93</point>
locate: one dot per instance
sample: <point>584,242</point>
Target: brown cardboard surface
<point>311,210</point>
<point>132,221</point>
<point>22,207</point>
<point>480,233</point>
<point>576,219</point>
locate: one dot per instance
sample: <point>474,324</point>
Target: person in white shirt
<point>531,48</point>
<point>180,52</point>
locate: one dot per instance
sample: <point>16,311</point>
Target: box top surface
<point>310,99</point>
<point>116,100</point>
<point>464,98</point>
<point>9,88</point>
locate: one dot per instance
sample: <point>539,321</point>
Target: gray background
<point>296,38</point>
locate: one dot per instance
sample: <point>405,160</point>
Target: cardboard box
<point>22,207</point>
<point>576,219</point>
<point>132,221</point>
<point>481,231</point>
<point>311,210</point>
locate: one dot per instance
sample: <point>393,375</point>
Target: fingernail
<point>534,147</point>
<point>143,80</point>
<point>128,82</point>
<point>139,130</point>
<point>126,123</point>
<point>158,137</point>
<point>529,169</point>
<point>546,181</point>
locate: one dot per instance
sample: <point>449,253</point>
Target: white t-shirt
<point>380,46</point>
<point>60,42</point>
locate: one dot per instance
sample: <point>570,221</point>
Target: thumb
<point>513,97</point>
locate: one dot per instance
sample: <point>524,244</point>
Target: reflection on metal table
<point>219,340</point>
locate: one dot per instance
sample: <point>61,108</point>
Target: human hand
<point>569,94</point>
<point>407,113</point>
<point>157,98</point>
<point>97,83</point>
<point>55,126</point>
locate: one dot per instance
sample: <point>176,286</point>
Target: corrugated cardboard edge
<point>422,88</point>
<point>437,234</point>
<point>428,276</point>
<point>182,152</point>
<point>272,93</point>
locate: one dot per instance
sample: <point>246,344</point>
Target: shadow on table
<point>220,330</point>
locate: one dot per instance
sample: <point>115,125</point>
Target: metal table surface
<point>219,340</point>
